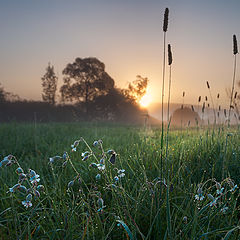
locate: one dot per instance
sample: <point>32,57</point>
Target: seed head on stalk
<point>235,51</point>
<point>169,55</point>
<point>235,47</point>
<point>214,112</point>
<point>170,59</point>
<point>165,26</point>
<point>208,86</point>
<point>235,95</point>
<point>165,21</point>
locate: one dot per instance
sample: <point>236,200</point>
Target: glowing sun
<point>145,100</point>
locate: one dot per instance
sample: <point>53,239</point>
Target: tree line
<point>87,85</point>
<point>88,92</point>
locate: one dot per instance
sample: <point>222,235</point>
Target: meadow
<point>105,181</point>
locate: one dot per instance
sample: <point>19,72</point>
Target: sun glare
<point>145,100</point>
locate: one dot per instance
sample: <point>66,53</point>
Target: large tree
<point>49,84</point>
<point>84,80</point>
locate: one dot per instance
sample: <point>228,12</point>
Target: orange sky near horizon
<point>127,36</point>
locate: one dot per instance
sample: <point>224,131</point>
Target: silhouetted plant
<point>235,51</point>
<point>170,77</point>
<point>165,27</point>
<point>49,84</point>
<point>214,112</point>
<point>183,95</point>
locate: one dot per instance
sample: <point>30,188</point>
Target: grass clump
<point>198,193</point>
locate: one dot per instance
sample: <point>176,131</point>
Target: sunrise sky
<point>124,34</point>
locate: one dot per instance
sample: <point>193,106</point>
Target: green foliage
<point>194,157</point>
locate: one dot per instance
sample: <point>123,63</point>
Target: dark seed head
<point>113,158</point>
<point>235,95</point>
<point>208,86</point>
<point>169,55</point>
<point>235,47</point>
<point>165,21</point>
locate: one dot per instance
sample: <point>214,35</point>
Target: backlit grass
<point>134,207</point>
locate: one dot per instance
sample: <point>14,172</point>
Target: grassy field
<point>193,196</point>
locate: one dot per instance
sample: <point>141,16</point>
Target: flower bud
<point>29,197</point>
<point>98,177</point>
<point>22,189</point>
<point>70,184</point>
<point>19,170</point>
<point>40,187</point>
<point>93,165</point>
<point>14,188</point>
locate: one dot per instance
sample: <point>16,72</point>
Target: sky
<point>126,35</point>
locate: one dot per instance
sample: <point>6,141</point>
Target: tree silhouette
<point>84,80</point>
<point>137,89</point>
<point>7,96</point>
<point>49,84</point>
<point>2,94</point>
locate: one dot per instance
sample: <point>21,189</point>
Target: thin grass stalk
<point>170,79</point>
<point>169,92</point>
<point>236,107</point>
<point>203,110</point>
<point>217,108</point>
<point>165,26</point>
<point>235,51</point>
<point>168,212</point>
<point>224,157</point>
<point>183,95</point>
<point>234,76</point>
<point>199,100</point>
<point>214,112</point>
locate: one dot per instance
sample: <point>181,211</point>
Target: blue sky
<point>126,36</point>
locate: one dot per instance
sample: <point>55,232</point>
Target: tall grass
<point>213,106</point>
<point>235,52</point>
<point>170,59</point>
<point>165,28</point>
<point>71,213</point>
